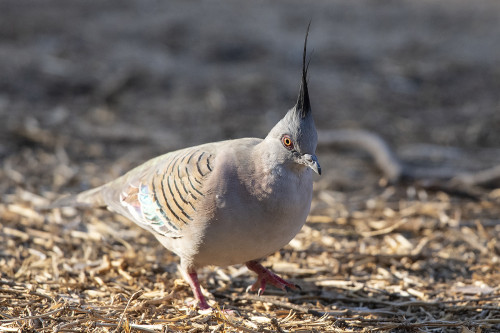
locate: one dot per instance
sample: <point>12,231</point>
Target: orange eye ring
<point>287,142</point>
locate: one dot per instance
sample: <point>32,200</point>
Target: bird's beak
<point>312,162</point>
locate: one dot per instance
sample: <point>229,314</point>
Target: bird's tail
<point>89,198</point>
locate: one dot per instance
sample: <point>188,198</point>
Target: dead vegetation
<point>404,231</point>
<point>394,258</point>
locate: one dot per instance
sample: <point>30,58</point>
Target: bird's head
<point>296,131</point>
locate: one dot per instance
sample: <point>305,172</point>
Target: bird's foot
<point>192,279</point>
<point>201,302</point>
<point>265,276</point>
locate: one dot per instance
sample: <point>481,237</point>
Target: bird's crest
<point>303,106</point>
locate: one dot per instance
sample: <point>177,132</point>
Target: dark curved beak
<point>312,162</point>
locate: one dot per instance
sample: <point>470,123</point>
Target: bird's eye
<point>287,142</point>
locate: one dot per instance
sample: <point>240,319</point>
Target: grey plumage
<point>223,203</point>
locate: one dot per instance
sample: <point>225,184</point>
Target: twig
<point>235,325</point>
<point>92,313</point>
<point>143,328</point>
<point>64,326</point>
<point>133,297</point>
<point>385,230</point>
<point>155,301</point>
<point>9,329</point>
<point>36,293</point>
<point>46,314</point>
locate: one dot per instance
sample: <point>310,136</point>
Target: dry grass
<point>393,259</point>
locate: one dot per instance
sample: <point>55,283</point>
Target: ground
<point>89,89</point>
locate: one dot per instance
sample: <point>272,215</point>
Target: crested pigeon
<point>223,203</point>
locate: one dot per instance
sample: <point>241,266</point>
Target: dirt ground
<point>89,89</point>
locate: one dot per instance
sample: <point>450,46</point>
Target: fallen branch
<point>480,178</point>
<point>373,144</point>
<point>395,170</point>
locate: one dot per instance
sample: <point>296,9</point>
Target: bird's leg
<point>265,276</point>
<point>192,278</point>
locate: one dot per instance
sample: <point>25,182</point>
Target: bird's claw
<point>265,276</point>
<point>293,287</point>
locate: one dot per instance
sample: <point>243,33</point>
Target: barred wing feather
<point>162,195</point>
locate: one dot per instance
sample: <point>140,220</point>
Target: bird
<point>223,203</point>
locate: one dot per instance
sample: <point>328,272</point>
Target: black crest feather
<point>303,106</point>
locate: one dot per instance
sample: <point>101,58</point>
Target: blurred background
<point>114,83</point>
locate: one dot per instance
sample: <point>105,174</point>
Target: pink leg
<point>266,276</point>
<point>192,279</point>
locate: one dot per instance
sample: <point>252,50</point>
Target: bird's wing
<point>163,194</point>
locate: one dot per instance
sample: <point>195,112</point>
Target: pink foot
<point>192,279</point>
<point>266,276</point>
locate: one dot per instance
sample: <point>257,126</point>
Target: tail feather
<point>89,198</point>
